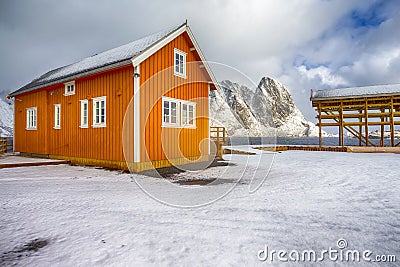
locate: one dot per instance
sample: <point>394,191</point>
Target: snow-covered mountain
<point>6,118</point>
<point>267,111</point>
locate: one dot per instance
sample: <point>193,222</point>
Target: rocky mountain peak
<point>280,100</point>
<point>267,111</point>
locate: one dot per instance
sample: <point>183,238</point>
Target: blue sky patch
<point>371,17</point>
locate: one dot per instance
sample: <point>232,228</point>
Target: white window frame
<point>82,123</point>
<point>99,100</point>
<point>180,121</point>
<point>181,72</point>
<point>31,118</point>
<point>57,116</point>
<point>169,123</point>
<point>67,88</point>
<point>185,121</point>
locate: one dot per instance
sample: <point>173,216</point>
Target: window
<point>31,118</point>
<point>69,88</point>
<point>178,113</point>
<point>170,111</point>
<point>179,63</point>
<point>99,111</point>
<point>188,114</point>
<point>57,116</point>
<point>84,113</point>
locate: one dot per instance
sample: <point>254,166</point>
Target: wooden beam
<point>359,127</point>
<point>341,130</point>
<point>378,123</point>
<point>328,124</point>
<point>382,128</point>
<point>353,123</point>
<point>327,117</point>
<point>355,116</point>
<point>366,121</point>
<point>379,114</point>
<point>356,134</point>
<point>320,125</point>
<point>391,122</point>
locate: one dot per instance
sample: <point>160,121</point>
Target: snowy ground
<point>92,217</point>
<point>10,159</point>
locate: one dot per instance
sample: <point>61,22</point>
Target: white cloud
<point>323,75</point>
<point>281,39</point>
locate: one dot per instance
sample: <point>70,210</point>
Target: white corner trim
<point>136,114</point>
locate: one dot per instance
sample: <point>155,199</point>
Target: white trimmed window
<point>31,118</point>
<point>178,113</point>
<point>179,63</point>
<point>84,113</point>
<point>69,88</point>
<point>170,111</point>
<point>188,114</point>
<point>99,112</point>
<point>57,116</point>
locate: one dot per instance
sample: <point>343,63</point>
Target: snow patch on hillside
<point>6,118</point>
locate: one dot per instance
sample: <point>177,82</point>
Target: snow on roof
<point>114,56</point>
<point>352,92</point>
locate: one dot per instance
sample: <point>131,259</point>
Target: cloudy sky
<point>302,43</point>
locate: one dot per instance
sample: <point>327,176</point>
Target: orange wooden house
<point>138,106</point>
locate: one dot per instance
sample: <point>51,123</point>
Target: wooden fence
<point>6,144</point>
<point>218,135</point>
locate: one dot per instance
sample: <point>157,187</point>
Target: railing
<point>218,136</point>
<point>6,144</point>
<point>3,145</point>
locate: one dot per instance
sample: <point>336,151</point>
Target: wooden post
<point>391,122</point>
<point>360,128</point>
<point>382,129</point>
<point>319,124</point>
<point>341,130</point>
<point>366,121</point>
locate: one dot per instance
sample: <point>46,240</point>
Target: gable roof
<point>131,53</point>
<point>353,92</point>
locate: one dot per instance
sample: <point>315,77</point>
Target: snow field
<point>95,217</point>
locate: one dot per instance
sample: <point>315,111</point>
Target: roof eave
<point>353,97</point>
<point>135,61</point>
<point>71,77</point>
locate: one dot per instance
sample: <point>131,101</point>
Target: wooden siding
<point>105,146</point>
<point>33,141</point>
<point>157,80</point>
<point>71,140</point>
